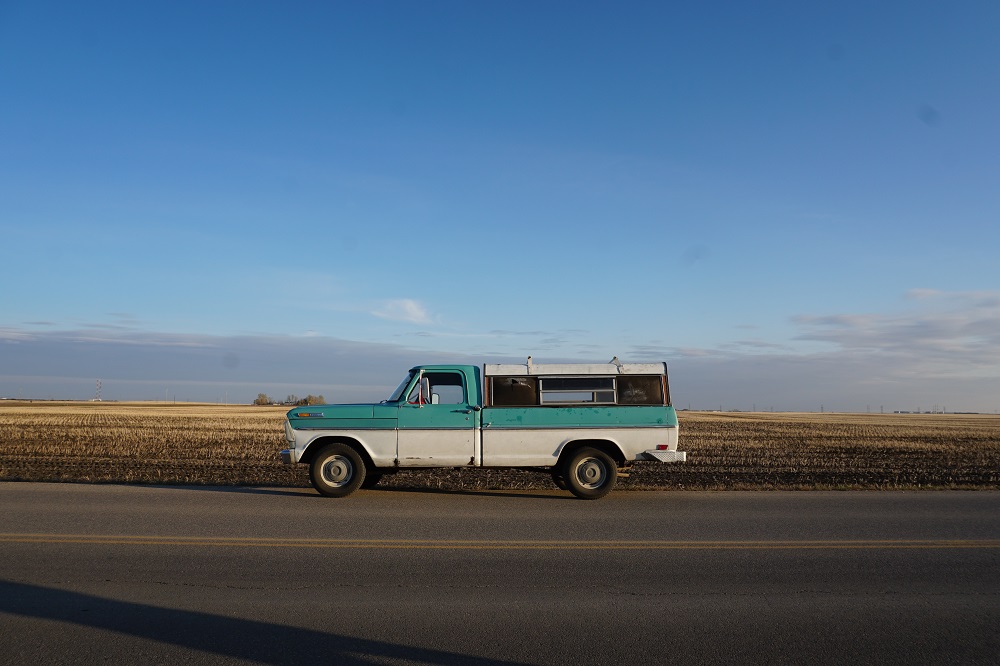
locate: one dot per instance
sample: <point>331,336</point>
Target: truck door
<point>437,423</point>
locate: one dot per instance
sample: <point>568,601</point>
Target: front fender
<point>377,446</point>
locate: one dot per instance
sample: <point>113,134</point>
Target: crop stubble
<point>238,445</point>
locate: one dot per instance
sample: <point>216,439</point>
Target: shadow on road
<point>246,490</point>
<point>513,494</point>
<point>309,492</point>
<point>215,634</point>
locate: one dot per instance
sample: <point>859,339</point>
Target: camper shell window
<point>640,390</point>
<point>514,391</point>
<point>576,390</point>
<point>561,391</point>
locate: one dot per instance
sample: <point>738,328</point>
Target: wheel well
<point>604,445</point>
<point>316,446</point>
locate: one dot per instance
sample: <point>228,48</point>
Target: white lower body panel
<point>540,447</point>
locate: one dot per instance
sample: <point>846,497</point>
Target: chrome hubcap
<point>338,470</point>
<point>591,473</point>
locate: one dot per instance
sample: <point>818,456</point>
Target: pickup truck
<point>581,423</point>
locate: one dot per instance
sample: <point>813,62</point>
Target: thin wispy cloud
<point>13,335</point>
<point>750,345</point>
<point>403,309</point>
<point>920,294</point>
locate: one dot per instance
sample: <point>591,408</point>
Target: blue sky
<point>796,207</point>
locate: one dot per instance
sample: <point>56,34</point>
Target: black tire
<point>590,473</point>
<point>371,479</point>
<point>559,480</point>
<point>337,471</point>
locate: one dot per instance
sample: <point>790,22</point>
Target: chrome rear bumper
<point>666,456</point>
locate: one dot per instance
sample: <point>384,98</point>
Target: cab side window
<point>439,388</point>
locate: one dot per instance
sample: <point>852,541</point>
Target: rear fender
<point>607,446</point>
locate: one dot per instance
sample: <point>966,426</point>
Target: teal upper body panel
<point>605,416</point>
<point>344,417</point>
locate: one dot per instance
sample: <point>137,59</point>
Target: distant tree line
<point>264,399</point>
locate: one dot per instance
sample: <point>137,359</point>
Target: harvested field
<point>238,445</point>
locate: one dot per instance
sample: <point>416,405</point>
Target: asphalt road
<point>229,575</point>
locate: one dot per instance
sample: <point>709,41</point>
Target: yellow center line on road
<point>473,544</point>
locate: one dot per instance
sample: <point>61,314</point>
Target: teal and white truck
<point>581,423</point>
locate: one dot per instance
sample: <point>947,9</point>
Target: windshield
<point>398,393</point>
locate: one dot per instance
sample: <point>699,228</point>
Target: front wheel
<point>337,471</point>
<point>590,473</point>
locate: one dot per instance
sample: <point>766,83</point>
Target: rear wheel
<point>337,471</point>
<point>590,473</point>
